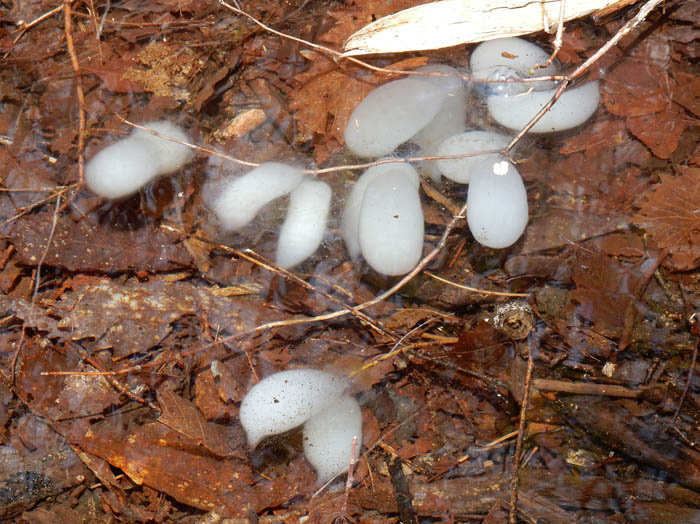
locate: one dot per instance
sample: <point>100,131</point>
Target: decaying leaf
<point>160,457</point>
<point>660,132</point>
<point>604,289</point>
<point>671,216</point>
<point>636,87</point>
<point>559,227</point>
<point>135,316</point>
<point>183,416</point>
<point>89,246</point>
<point>686,91</point>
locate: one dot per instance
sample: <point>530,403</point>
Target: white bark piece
<point>453,22</point>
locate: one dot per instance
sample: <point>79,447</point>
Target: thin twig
<point>54,221</point>
<point>521,427</point>
<point>15,357</point>
<point>476,290</point>
<point>93,16</point>
<point>350,479</point>
<point>333,169</point>
<point>557,39</point>
<point>68,30</point>
<point>585,388</point>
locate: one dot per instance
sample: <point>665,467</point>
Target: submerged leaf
<point>671,216</point>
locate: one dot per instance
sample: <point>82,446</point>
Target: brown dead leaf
<point>601,134</point>
<point>660,131</point>
<point>670,216</point>
<point>479,346</point>
<point>60,396</point>
<point>165,460</point>
<point>405,319</point>
<point>359,13</point>
<point>217,390</point>
<point>574,43</point>
<point>560,226</point>
<point>112,76</point>
<point>92,247</point>
<point>687,12</point>
<point>418,448</point>
<point>604,290</point>
<point>635,88</point>
<point>183,416</point>
<point>135,316</point>
<point>625,244</point>
<point>686,91</point>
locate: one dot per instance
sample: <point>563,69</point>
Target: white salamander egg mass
<point>127,165</point>
<point>286,400</point>
<point>496,204</point>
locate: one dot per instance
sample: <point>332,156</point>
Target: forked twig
<point>557,38</point>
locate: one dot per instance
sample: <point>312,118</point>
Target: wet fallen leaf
<point>57,397</point>
<point>559,227</point>
<point>686,91</point>
<point>601,134</point>
<point>135,316</point>
<point>660,131</point>
<point>183,416</point>
<point>92,247</point>
<point>604,290</point>
<point>163,459</point>
<point>635,88</point>
<point>670,216</point>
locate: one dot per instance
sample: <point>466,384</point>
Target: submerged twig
<point>477,290</point>
<point>521,426</point>
<point>68,31</point>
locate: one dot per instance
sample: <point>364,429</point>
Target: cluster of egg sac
<point>331,417</point>
<point>431,112</point>
<point>383,218</point>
